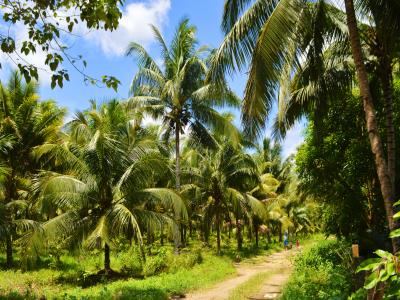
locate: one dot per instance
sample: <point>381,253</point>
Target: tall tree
<point>178,93</point>
<point>270,35</point>
<point>224,178</point>
<point>25,123</point>
<point>383,43</point>
<point>107,187</point>
<point>370,116</point>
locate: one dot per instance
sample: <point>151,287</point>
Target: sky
<point>104,53</point>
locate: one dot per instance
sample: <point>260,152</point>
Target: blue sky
<point>104,51</point>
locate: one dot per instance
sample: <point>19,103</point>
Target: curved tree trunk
<point>372,126</point>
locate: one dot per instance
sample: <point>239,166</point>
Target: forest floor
<point>276,267</point>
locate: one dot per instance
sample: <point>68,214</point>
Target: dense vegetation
<point>323,270</point>
<point>105,198</point>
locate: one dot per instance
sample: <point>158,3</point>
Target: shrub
<point>156,264</point>
<point>185,260</point>
<point>320,273</point>
<point>131,262</point>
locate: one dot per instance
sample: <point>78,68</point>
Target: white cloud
<point>294,138</point>
<point>134,26</point>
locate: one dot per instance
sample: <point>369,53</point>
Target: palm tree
<point>107,188</point>
<point>177,91</point>
<point>383,43</point>
<point>369,109</point>
<point>269,157</point>
<point>25,123</point>
<point>273,36</point>
<point>223,178</point>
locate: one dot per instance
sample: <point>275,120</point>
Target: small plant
<point>385,267</point>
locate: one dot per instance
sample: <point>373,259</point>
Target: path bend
<point>279,264</point>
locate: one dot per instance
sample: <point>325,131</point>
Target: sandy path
<point>278,263</point>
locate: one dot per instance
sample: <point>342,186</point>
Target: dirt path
<point>278,263</point>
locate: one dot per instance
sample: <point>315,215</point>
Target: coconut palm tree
<point>25,123</point>
<point>177,91</point>
<point>223,178</point>
<point>370,115</point>
<point>270,35</point>
<point>383,44</point>
<point>107,188</point>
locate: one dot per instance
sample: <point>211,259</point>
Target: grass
<point>35,284</point>
<point>165,274</point>
<point>250,287</point>
<point>211,270</point>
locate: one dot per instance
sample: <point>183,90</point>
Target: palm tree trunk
<point>183,235</point>
<point>372,126</point>
<point>9,251</point>
<point>269,236</point>
<point>250,234</point>
<point>280,233</point>
<point>190,229</point>
<point>256,235</point>
<point>239,234</point>
<point>177,157</point>
<point>107,258</point>
<point>218,234</point>
<point>162,234</point>
<point>386,81</point>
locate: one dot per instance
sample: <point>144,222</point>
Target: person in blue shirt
<point>286,240</point>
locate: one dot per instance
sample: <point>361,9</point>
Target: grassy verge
<point>163,274</point>
<point>322,270</point>
<point>212,269</point>
<point>250,287</point>
<point>32,285</point>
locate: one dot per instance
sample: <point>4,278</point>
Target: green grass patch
<point>250,287</point>
<point>211,270</point>
<point>63,276</point>
<point>183,273</point>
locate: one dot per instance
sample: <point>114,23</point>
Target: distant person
<point>297,244</point>
<point>286,240</point>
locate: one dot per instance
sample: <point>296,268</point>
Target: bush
<point>156,264</point>
<point>166,261</point>
<point>321,273</point>
<point>131,262</point>
<point>185,260</point>
<point>360,294</point>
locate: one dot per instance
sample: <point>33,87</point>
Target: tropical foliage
<point>105,183</point>
<point>103,180</point>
